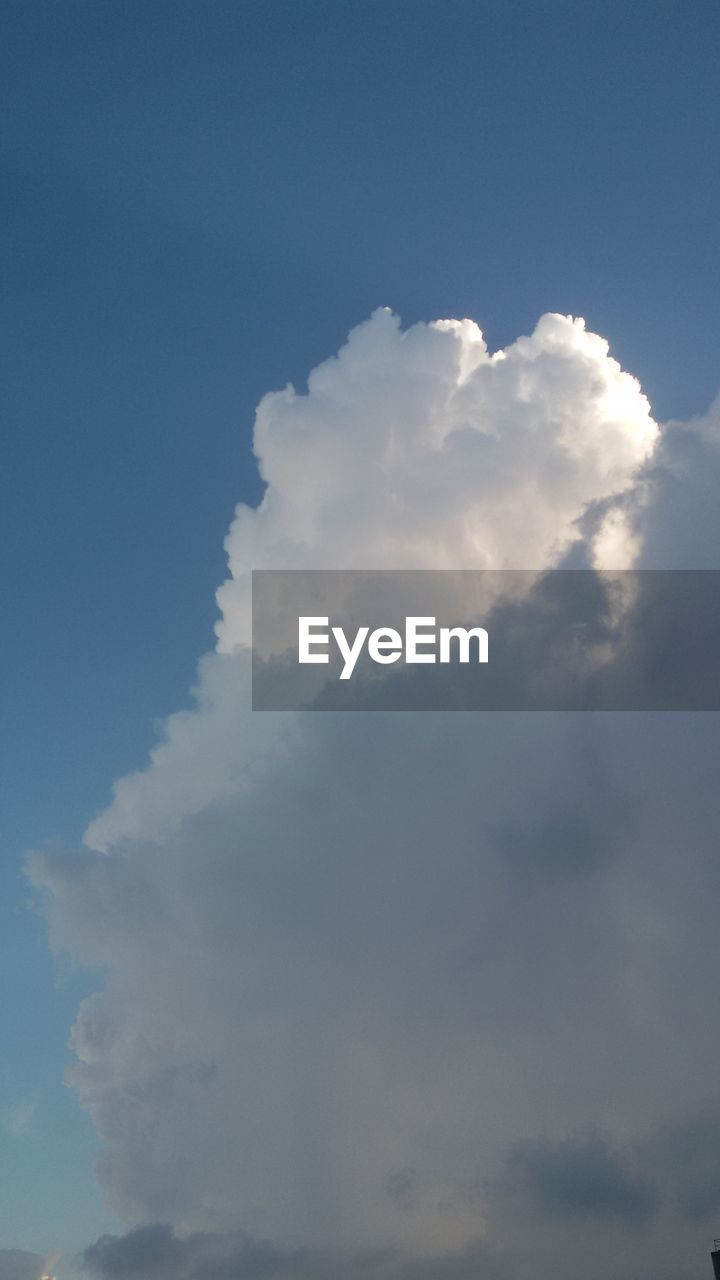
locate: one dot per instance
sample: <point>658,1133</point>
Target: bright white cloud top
<point>420,449</point>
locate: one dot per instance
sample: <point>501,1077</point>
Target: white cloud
<point>338,949</point>
<point>411,448</point>
<point>419,449</point>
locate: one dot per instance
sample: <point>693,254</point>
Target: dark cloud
<point>573,838</point>
<point>154,1252</point>
<point>578,1177</point>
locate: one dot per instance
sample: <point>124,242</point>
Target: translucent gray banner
<point>486,640</point>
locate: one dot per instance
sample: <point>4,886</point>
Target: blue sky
<point>199,201</point>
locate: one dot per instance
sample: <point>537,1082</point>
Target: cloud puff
<point>351,962</point>
<point>420,449</point>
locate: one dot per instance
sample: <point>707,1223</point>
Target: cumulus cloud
<point>352,962</point>
<point>413,448</point>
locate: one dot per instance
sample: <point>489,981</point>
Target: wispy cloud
<point>21,1117</point>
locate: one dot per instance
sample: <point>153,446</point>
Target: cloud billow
<point>352,962</point>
